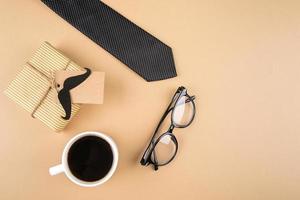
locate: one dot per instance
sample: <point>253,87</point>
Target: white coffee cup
<point>64,167</point>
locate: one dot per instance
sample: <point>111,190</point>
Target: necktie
<point>136,48</point>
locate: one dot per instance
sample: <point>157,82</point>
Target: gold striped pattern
<point>32,83</point>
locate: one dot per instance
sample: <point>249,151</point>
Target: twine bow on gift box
<point>64,94</point>
<point>52,85</point>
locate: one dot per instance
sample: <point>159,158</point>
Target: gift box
<point>34,90</point>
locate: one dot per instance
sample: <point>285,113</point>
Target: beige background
<point>240,58</point>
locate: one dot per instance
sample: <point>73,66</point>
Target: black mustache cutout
<point>64,94</point>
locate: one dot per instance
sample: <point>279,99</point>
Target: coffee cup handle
<point>56,170</point>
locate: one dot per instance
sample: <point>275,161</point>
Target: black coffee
<point>90,158</point>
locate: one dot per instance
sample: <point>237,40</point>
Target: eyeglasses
<point>163,146</point>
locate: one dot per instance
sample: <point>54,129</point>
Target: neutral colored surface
<point>240,58</point>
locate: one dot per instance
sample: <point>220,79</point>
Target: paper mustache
<point>64,94</point>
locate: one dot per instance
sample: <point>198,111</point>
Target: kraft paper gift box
<point>33,87</point>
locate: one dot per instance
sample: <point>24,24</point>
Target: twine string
<point>52,85</point>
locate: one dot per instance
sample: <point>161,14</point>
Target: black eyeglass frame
<point>146,158</point>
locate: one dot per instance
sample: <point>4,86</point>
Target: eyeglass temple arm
<point>169,108</point>
<point>158,126</point>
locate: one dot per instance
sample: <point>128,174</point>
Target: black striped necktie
<point>139,50</point>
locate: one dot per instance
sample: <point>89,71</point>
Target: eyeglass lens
<point>164,150</point>
<point>183,112</point>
